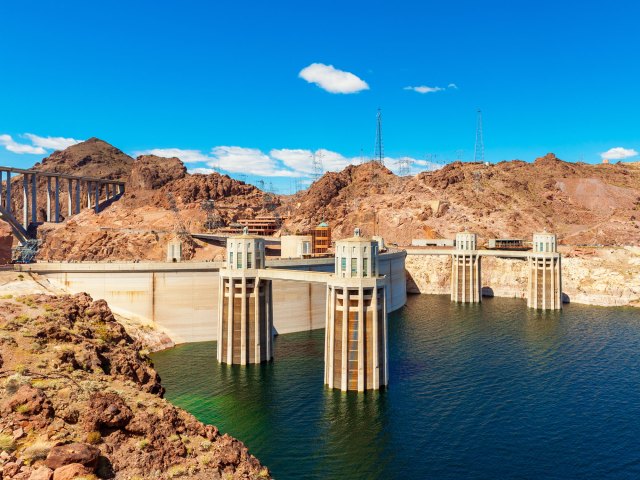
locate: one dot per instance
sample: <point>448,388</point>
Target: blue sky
<point>221,80</point>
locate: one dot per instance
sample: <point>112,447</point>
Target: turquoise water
<point>494,391</point>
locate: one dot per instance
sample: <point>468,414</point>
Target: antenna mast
<point>378,155</point>
<point>478,154</point>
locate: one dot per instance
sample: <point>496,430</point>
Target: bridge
<point>80,191</point>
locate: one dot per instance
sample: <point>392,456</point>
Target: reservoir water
<point>491,391</point>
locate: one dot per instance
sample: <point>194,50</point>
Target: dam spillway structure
<point>545,273</point>
<point>356,356</point>
<point>245,308</point>
<point>466,270</point>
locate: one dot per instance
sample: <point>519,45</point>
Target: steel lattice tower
<point>318,169</point>
<point>478,154</point>
<point>378,155</point>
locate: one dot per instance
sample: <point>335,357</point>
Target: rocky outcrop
<point>150,172</point>
<point>91,158</point>
<point>584,204</point>
<point>80,398</point>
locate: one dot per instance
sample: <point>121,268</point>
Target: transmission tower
<point>213,220</point>
<point>404,166</point>
<point>478,154</point>
<point>261,184</point>
<point>179,228</point>
<point>318,169</point>
<point>378,153</point>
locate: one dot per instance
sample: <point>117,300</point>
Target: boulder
<point>71,471</point>
<point>42,473</point>
<point>73,453</point>
<point>31,404</point>
<point>107,410</point>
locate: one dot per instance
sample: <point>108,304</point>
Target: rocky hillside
<point>139,225</point>
<point>91,158</point>
<point>584,204</point>
<point>80,399</point>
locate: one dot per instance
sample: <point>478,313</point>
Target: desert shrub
<point>144,443</point>
<point>176,471</point>
<point>38,450</point>
<point>94,437</point>
<point>7,443</point>
<point>14,382</point>
<point>23,408</point>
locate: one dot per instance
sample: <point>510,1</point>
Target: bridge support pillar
<point>97,197</point>
<point>245,307</point>
<point>545,274</point>
<point>466,285</point>
<point>48,199</point>
<point>8,196</point>
<point>69,197</point>
<point>25,201</point>
<point>78,195</point>
<point>56,199</point>
<point>356,324</point>
<point>34,199</point>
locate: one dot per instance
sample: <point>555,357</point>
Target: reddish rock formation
<point>81,398</point>
<point>590,204</point>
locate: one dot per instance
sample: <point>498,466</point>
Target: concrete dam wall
<point>181,299</point>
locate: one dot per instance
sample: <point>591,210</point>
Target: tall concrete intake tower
<point>545,273</point>
<point>356,327</point>
<point>245,308</point>
<point>466,270</point>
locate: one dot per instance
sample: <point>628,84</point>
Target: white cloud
<point>427,165</point>
<point>10,144</point>
<point>187,156</point>
<point>332,80</point>
<point>202,170</point>
<point>618,153</point>
<point>296,159</point>
<point>284,162</point>
<point>424,89</point>
<point>250,161</point>
<point>51,143</point>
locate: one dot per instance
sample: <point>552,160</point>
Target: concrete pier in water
<point>545,273</point>
<point>356,356</point>
<point>245,311</point>
<point>466,284</point>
